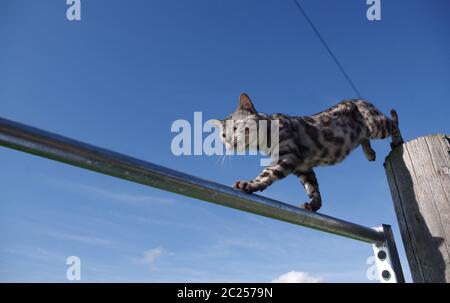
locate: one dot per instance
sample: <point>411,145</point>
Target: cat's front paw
<point>310,206</point>
<point>306,206</point>
<point>247,186</point>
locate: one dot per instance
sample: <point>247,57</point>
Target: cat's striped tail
<point>395,130</point>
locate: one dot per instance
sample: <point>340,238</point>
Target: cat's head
<point>239,130</point>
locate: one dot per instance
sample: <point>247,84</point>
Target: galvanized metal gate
<point>52,146</point>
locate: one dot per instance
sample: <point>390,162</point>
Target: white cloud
<point>79,238</point>
<point>106,193</point>
<point>123,197</point>
<point>151,255</point>
<point>297,277</point>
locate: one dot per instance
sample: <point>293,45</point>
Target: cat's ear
<point>246,104</point>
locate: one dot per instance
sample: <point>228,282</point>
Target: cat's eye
<point>223,136</point>
<point>235,128</point>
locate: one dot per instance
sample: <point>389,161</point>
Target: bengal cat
<point>305,142</point>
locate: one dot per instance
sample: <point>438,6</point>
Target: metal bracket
<point>386,257</point>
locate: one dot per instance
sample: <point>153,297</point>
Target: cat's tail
<point>395,130</point>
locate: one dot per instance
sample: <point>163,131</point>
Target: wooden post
<point>418,173</point>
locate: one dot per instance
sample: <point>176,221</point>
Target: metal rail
<point>52,146</point>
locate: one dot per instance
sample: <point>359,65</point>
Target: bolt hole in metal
<point>386,275</point>
<point>382,255</point>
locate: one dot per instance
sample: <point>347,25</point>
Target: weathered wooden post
<point>418,173</point>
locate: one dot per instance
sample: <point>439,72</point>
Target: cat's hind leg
<point>368,151</point>
<point>395,130</point>
<point>309,181</point>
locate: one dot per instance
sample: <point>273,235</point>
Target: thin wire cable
<point>339,65</point>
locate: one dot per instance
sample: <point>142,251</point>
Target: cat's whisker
<point>223,159</point>
<point>218,160</point>
<point>224,162</point>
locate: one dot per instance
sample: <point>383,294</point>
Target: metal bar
<point>52,146</point>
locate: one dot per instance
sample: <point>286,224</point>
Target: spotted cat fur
<point>305,142</point>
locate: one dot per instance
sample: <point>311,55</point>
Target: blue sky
<point>128,69</point>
